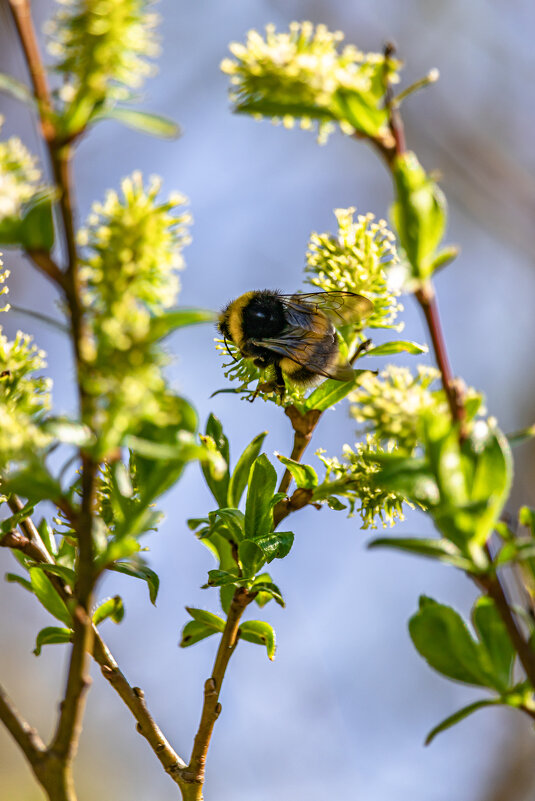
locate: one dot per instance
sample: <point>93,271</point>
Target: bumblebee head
<point>253,315</point>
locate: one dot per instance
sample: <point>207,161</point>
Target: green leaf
<point>164,324</point>
<point>221,578</point>
<point>258,510</point>
<point>194,632</point>
<point>37,224</point>
<point>140,571</point>
<point>143,121</point>
<point>519,437</point>
<point>14,578</point>
<point>207,618</point>
<point>444,257</point>
<point>262,598</point>
<point>234,523</point>
<point>66,573</point>
<point>360,109</point>
<point>332,391</point>
<point>279,108</point>
<point>251,556</point>
<point>51,635</point>
<point>276,545</point>
<point>264,587</point>
<point>34,483</point>
<point>442,638</point>
<point>240,475</point>
<point>70,432</point>
<point>47,535</point>
<point>442,549</point>
<point>419,213</point>
<point>13,521</point>
<point>461,714</point>
<point>304,475</point>
<point>47,595</point>
<point>494,637</point>
<point>16,89</point>
<point>113,608</point>
<point>260,633</point>
<point>218,485</point>
<point>397,346</point>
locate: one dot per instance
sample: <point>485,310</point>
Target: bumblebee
<point>293,334</point>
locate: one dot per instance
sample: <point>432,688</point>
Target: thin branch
<point>212,688</point>
<point>25,736</point>
<point>134,698</point>
<point>22,16</point>
<point>303,426</point>
<point>493,588</point>
<point>46,264</point>
<point>427,300</point>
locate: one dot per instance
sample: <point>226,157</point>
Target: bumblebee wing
<point>339,307</point>
<point>300,345</point>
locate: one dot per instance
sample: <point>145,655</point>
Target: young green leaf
<point>16,89</point>
<point>113,608</point>
<point>221,578</point>
<point>141,571</point>
<point>37,225</point>
<point>143,121</point>
<point>461,714</point>
<point>51,635</point>
<point>164,324</point>
<point>495,639</point>
<point>397,346</point>
<point>218,485</point>
<point>240,475</point>
<point>304,475</point>
<point>264,587</point>
<point>441,549</point>
<point>261,633</point>
<point>419,213</point>
<point>194,632</point>
<point>251,556</point>
<point>14,578</point>
<point>276,545</point>
<point>332,391</point>
<point>258,510</point>
<point>47,595</point>
<point>206,618</point>
<point>442,638</point>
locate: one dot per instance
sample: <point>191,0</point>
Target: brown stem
<point>22,16</point>
<point>46,264</point>
<point>134,699</point>
<point>25,736</point>
<point>394,117</point>
<point>303,426</point>
<point>427,300</point>
<point>194,774</point>
<point>493,588</point>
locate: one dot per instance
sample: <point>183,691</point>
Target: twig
<point>47,266</point>
<point>493,588</point>
<point>25,736</point>
<point>427,300</point>
<point>134,698</point>
<point>303,426</point>
<point>212,688</point>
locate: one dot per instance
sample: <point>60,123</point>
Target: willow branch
<point>24,735</point>
<point>427,300</point>
<point>493,588</point>
<point>212,688</point>
<point>134,699</point>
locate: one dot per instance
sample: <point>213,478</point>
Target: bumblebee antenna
<point>234,358</point>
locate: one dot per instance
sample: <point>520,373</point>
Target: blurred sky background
<point>344,709</point>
